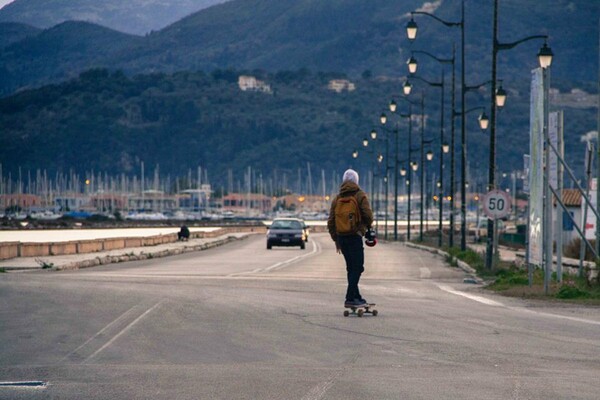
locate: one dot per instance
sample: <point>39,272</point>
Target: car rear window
<point>286,224</point>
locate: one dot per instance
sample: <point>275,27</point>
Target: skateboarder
<point>350,216</point>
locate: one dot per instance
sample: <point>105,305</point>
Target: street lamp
<point>412,65</point>
<point>393,106</point>
<point>383,121</point>
<point>365,143</point>
<point>500,96</point>
<point>445,147</point>
<point>411,32</point>
<point>484,121</point>
<point>545,60</point>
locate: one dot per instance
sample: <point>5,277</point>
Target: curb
<point>461,264</point>
<point>113,259</point>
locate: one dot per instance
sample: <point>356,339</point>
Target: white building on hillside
<point>339,85</point>
<point>246,82</point>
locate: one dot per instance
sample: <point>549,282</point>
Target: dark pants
<point>354,254</point>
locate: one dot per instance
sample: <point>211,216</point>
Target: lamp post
<point>545,59</point>
<point>412,68</point>
<point>392,108</point>
<point>383,120</point>
<point>411,32</point>
<point>412,63</point>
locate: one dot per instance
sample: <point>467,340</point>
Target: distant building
<point>243,202</point>
<point>152,200</point>
<point>23,201</point>
<point>108,201</point>
<point>195,199</point>
<point>72,202</point>
<point>246,83</point>
<point>305,203</point>
<point>339,85</point>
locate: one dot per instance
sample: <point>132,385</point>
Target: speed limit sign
<point>496,204</point>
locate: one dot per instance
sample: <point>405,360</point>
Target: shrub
<point>571,292</point>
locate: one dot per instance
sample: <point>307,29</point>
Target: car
<point>286,232</point>
<point>306,231</point>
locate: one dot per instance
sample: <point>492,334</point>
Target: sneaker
<point>360,301</point>
<point>351,303</point>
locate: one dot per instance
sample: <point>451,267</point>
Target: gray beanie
<point>350,175</point>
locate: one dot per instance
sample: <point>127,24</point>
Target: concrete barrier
<point>133,242</point>
<point>9,250</point>
<point>63,248</point>
<point>34,249</point>
<point>89,246</point>
<point>113,244</point>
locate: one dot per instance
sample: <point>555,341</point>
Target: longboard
<point>361,310</point>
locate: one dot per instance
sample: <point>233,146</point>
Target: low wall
<point>63,248</point>
<point>9,250</point>
<point>17,249</point>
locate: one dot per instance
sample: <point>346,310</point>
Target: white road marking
<point>545,314</point>
<point>135,321</point>
<point>100,332</point>
<point>493,303</point>
<point>24,385</point>
<point>479,299</point>
<point>316,248</point>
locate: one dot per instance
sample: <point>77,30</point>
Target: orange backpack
<point>347,215</point>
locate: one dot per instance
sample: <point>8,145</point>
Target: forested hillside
<point>109,122</point>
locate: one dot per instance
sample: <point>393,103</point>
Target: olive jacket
<point>366,214</point>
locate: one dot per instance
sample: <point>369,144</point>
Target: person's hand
<point>337,248</point>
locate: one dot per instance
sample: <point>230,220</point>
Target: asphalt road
<point>243,322</point>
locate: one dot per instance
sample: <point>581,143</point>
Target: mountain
<point>59,53</point>
<point>131,16</point>
<point>171,97</point>
<point>349,36</point>
<point>11,32</point>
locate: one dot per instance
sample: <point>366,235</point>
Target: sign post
<point>496,205</point>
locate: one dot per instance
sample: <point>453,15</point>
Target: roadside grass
<point>2,270</point>
<point>510,280</point>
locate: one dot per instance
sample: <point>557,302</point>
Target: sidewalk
<point>76,261</point>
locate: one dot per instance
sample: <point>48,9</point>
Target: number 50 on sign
<point>496,204</point>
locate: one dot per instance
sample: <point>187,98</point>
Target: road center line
<point>135,321</point>
<point>316,249</point>
<point>282,264</point>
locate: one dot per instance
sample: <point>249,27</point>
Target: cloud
<point>590,136</point>
<point>430,6</point>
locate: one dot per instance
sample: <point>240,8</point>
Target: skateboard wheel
<point>346,313</point>
<point>375,313</point>
<point>360,313</point>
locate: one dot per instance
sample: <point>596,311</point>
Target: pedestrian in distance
<point>183,234</point>
<point>350,216</point>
